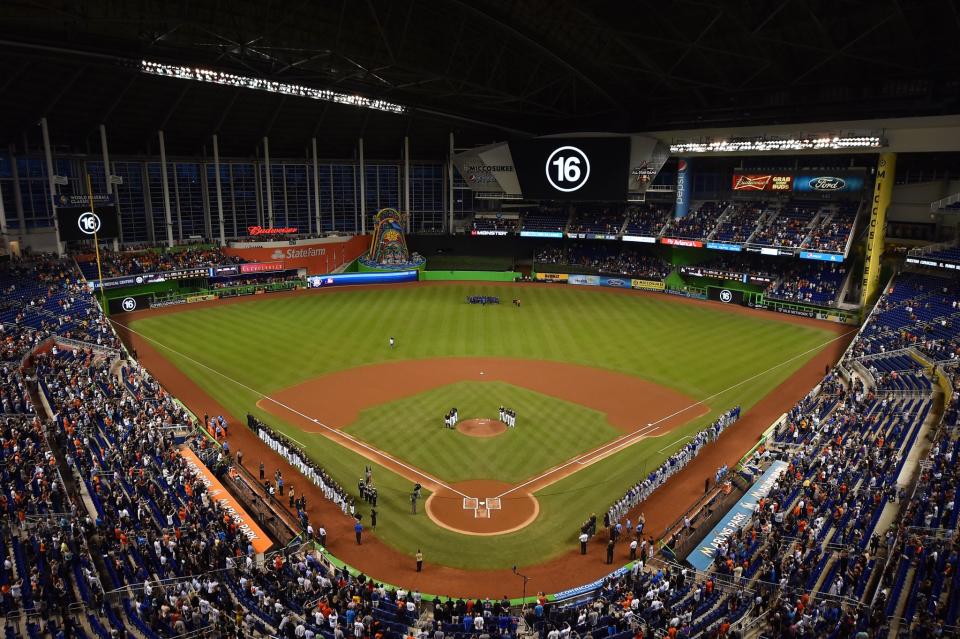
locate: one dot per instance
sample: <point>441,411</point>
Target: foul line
<point>631,438</point>
<point>674,443</point>
<point>340,433</point>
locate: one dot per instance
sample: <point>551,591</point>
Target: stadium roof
<point>485,69</point>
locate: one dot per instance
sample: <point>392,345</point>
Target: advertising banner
<point>762,182</point>
<point>831,182</point>
<point>488,169</point>
<point>276,230</point>
<point>551,277</point>
<point>673,241</point>
<point>720,246</point>
<point>263,267</point>
<point>938,263</point>
<point>825,257</point>
<point>715,273</point>
<point>725,295</point>
<point>217,493</point>
<point>584,280</point>
<point>684,187</point>
<point>647,285</point>
<point>317,257</point>
<point>645,239</point>
<point>736,517</point>
<point>592,236</point>
<point>80,223</point>
<point>796,311</point>
<point>615,282</point>
<point>488,232</point>
<point>541,234</point>
<point>78,200</point>
<point>348,279</point>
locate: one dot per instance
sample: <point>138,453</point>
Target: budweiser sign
<point>769,182</point>
<point>279,230</point>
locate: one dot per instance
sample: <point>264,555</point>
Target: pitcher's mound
<point>481,427</point>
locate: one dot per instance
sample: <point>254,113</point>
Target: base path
<point>564,571</point>
<point>481,428</point>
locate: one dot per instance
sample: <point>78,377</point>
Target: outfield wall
<point>469,276</point>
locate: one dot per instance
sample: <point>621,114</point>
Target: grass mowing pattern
<point>270,344</point>
<point>550,431</point>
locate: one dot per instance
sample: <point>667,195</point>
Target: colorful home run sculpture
<point>388,245</point>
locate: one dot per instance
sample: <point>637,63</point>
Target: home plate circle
<point>486,515</point>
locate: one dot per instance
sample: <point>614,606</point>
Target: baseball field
<point>606,384</point>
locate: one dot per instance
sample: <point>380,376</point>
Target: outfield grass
<point>273,343</point>
<point>550,431</point>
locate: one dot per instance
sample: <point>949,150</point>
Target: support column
<point>406,181</point>
<point>147,203</point>
<point>266,172</point>
<point>17,195</point>
<point>450,174</point>
<point>216,179</point>
<point>363,192</point>
<point>877,231</point>
<point>111,187</point>
<point>316,186</point>
<point>48,154</point>
<point>3,216</point>
<point>167,217</point>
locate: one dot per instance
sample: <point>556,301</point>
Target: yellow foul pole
<point>96,248</point>
<point>876,232</point>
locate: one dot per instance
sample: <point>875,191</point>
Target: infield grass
<point>273,343</point>
<point>549,431</point>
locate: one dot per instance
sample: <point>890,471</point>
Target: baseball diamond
<point>432,319</point>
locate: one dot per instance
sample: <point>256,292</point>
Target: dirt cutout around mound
<point>567,570</point>
<point>481,427</point>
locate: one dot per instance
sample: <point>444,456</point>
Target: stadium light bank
<point>199,74</point>
<point>769,144</point>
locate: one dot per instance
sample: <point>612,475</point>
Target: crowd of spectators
<point>831,234</point>
<point>919,311</point>
<point>550,219</point>
<point>740,222</point>
<point>140,260</point>
<point>254,280</point>
<point>14,396</point>
<point>789,227</point>
<point>598,220</point>
<point>181,564</point>
<point>647,218</point>
<point>697,225</point>
<point>603,258</point>
<point>809,283</point>
<point>44,296</point>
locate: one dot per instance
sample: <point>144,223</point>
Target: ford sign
<point>827,184</point>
